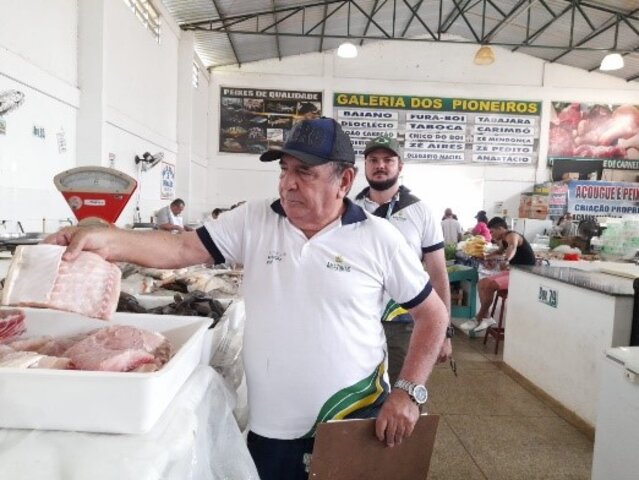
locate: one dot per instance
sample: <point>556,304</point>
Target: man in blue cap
<point>316,269</point>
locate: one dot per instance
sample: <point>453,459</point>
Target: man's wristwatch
<point>450,331</point>
<point>417,393</point>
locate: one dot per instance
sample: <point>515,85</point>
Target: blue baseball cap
<point>315,142</point>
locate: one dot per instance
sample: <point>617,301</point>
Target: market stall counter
<point>196,438</point>
<point>559,322</point>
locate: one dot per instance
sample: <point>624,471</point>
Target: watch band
<point>450,331</point>
<point>416,392</point>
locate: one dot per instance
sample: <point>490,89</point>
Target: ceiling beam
<point>228,35</point>
<point>415,9</point>
<point>368,22</point>
<point>468,24</point>
<point>509,17</point>
<point>453,15</point>
<point>277,37</point>
<point>323,20</point>
<point>381,29</point>
<point>607,25</point>
<point>321,45</point>
<point>540,30</point>
<point>416,15</point>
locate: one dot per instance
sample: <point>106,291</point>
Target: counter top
<point>595,281</point>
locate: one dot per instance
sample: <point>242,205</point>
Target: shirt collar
<point>352,214</point>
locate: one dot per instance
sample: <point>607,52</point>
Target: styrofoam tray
<point>110,402</point>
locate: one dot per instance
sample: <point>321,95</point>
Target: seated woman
<point>482,228</point>
<point>515,250</point>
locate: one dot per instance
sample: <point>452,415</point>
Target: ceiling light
<point>484,56</point>
<point>612,61</point>
<point>347,50</point>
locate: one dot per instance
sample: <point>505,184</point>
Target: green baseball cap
<point>386,142</point>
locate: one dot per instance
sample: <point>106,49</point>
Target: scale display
<point>95,192</point>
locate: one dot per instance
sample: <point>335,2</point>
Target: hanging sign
<point>595,131</point>
<point>444,130</point>
<point>252,120</point>
<point>611,199</point>
<point>167,186</point>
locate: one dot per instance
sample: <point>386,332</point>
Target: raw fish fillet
<point>33,360</point>
<point>54,363</point>
<point>4,349</point>
<point>47,345</point>
<point>39,277</point>
<point>19,359</point>
<point>11,324</point>
<point>120,348</point>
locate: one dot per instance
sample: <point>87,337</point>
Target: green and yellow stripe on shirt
<point>350,401</point>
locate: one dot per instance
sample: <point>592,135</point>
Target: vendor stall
<point>559,322</point>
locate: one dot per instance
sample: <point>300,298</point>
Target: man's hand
<point>77,239</point>
<point>397,418</point>
<point>446,351</point>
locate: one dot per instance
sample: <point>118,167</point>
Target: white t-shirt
<point>313,343</point>
<point>451,229</point>
<point>165,215</point>
<point>418,226</point>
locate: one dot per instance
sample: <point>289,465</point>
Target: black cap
<point>481,213</point>
<point>315,142</point>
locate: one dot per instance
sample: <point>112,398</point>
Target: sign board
<point>609,132</point>
<point>612,199</point>
<point>253,119</point>
<point>444,130</point>
<point>548,295</point>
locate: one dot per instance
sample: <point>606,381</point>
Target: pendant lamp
<point>484,56</point>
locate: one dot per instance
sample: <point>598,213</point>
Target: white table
<point>196,438</point>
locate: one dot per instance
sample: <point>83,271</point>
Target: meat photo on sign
<point>594,131</point>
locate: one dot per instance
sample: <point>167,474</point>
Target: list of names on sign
<point>444,130</point>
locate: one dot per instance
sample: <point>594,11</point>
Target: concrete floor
<point>493,428</point>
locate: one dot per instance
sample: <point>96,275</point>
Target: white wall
<point>94,73</point>
<point>44,68</point>
<point>413,69</point>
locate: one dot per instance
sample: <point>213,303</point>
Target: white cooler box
<point>109,402</point>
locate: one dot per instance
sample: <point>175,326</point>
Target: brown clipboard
<point>349,450</point>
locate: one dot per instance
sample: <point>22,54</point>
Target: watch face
<point>420,394</point>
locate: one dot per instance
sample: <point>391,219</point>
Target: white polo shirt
<point>313,343</point>
<point>417,224</point>
<point>165,215</point>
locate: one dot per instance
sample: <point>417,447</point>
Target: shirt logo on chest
<point>274,256</point>
<point>338,264</point>
<point>401,216</point>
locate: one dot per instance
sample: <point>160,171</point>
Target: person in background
<point>513,249</point>
<point>318,268</point>
<point>170,217</point>
<point>217,212</point>
<point>565,226</point>
<point>385,198</point>
<point>451,228</point>
<point>481,228</point>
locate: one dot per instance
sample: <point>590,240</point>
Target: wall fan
<point>10,100</point>
<point>148,161</point>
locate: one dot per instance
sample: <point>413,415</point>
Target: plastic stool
<point>497,331</point>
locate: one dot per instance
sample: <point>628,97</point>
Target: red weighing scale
<point>95,194</point>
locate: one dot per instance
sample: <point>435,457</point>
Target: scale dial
<point>95,192</point>
<point>94,179</point>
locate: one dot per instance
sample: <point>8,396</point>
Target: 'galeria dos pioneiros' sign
<point>444,130</point>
